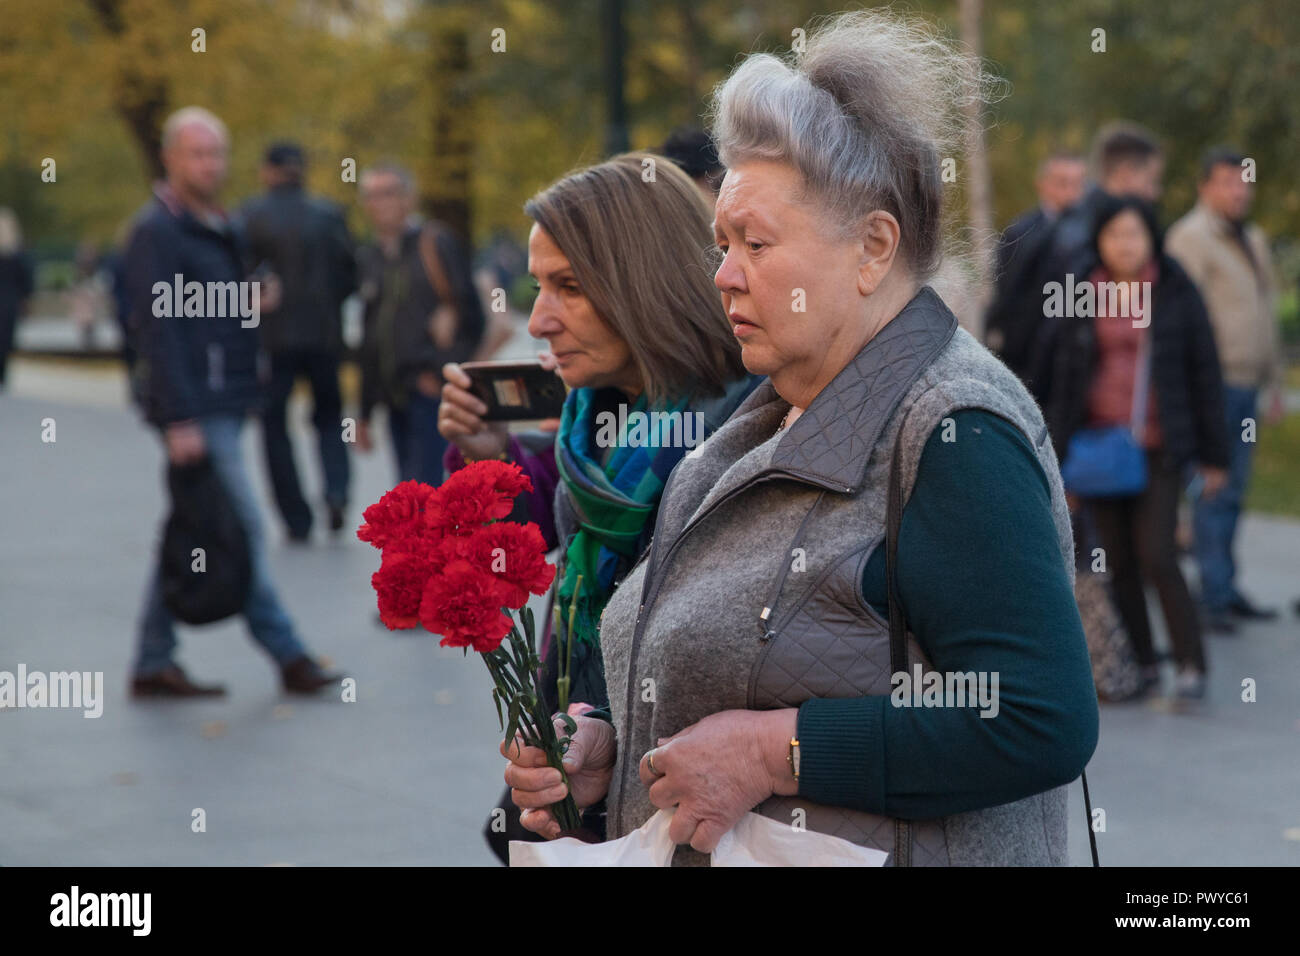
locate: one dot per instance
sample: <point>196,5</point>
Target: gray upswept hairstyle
<point>865,115</point>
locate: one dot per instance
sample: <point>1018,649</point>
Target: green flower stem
<point>513,672</point>
<point>562,681</point>
<point>564,650</point>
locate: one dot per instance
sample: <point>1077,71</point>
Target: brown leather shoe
<point>173,682</point>
<point>302,675</point>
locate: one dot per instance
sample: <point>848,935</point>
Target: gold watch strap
<point>501,456</point>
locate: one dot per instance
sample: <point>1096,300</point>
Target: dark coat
<point>305,242</point>
<point>1070,252</point>
<point>17,281</point>
<point>1186,383</point>
<point>1015,318</point>
<point>416,298</point>
<point>189,366</point>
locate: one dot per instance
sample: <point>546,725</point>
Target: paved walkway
<point>408,773</point>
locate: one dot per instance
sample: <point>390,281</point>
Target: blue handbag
<point>1110,462</point>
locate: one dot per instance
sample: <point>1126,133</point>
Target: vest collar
<point>830,444</point>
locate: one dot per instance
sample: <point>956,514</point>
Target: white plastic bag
<point>648,846</point>
<point>755,841</point>
<point>761,841</point>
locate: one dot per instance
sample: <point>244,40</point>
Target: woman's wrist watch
<point>793,757</point>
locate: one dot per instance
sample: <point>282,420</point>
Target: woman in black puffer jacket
<point>1093,376</point>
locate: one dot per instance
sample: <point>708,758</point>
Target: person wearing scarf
<point>637,332</point>
<point>614,492</point>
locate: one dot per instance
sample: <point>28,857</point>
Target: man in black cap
<point>692,149</point>
<point>303,242</point>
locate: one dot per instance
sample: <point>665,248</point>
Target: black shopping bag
<point>206,567</point>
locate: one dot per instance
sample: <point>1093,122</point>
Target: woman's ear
<point>880,235</point>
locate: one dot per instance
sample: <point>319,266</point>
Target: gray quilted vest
<point>750,597</point>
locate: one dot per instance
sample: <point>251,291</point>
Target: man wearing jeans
<point>202,380</point>
<point>1230,262</point>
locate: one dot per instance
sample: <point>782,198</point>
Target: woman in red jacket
<point>1099,363</point>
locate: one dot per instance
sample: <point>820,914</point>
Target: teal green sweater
<point>983,586</point>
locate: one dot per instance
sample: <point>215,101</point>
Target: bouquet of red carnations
<point>451,563</point>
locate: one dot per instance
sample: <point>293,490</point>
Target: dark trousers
<point>417,443</point>
<point>321,368</point>
<point>8,323</point>
<point>1138,535</point>
<point>1216,518</point>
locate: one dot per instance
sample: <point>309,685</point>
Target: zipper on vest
<point>640,611</point>
<point>764,618</point>
<point>647,595</point>
<point>785,617</point>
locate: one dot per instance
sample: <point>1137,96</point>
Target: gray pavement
<point>44,333</point>
<point>405,775</point>
<point>408,773</point>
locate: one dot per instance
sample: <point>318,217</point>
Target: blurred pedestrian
<point>17,281</point>
<point>422,311</point>
<point>502,264</point>
<point>1127,160</point>
<point>303,242</point>
<point>693,151</point>
<point>1229,260</point>
<point>1154,367</point>
<point>89,296</point>
<point>202,381</point>
<point>114,266</point>
<point>1016,314</point>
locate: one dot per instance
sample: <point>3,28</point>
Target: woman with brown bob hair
<point>619,253</point>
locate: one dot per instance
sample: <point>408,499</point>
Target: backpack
<point>204,558</point>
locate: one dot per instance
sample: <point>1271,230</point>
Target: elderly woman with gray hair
<point>857,612</point>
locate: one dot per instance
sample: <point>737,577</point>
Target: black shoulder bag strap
<point>898,645</point>
<point>1087,803</point>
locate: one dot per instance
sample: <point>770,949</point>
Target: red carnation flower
<point>512,553</point>
<point>505,477</point>
<point>463,604</point>
<point>450,563</point>
<point>478,493</point>
<point>399,515</point>
<point>468,508</point>
<point>399,584</point>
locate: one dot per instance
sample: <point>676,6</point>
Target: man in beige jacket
<point>1230,262</point>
